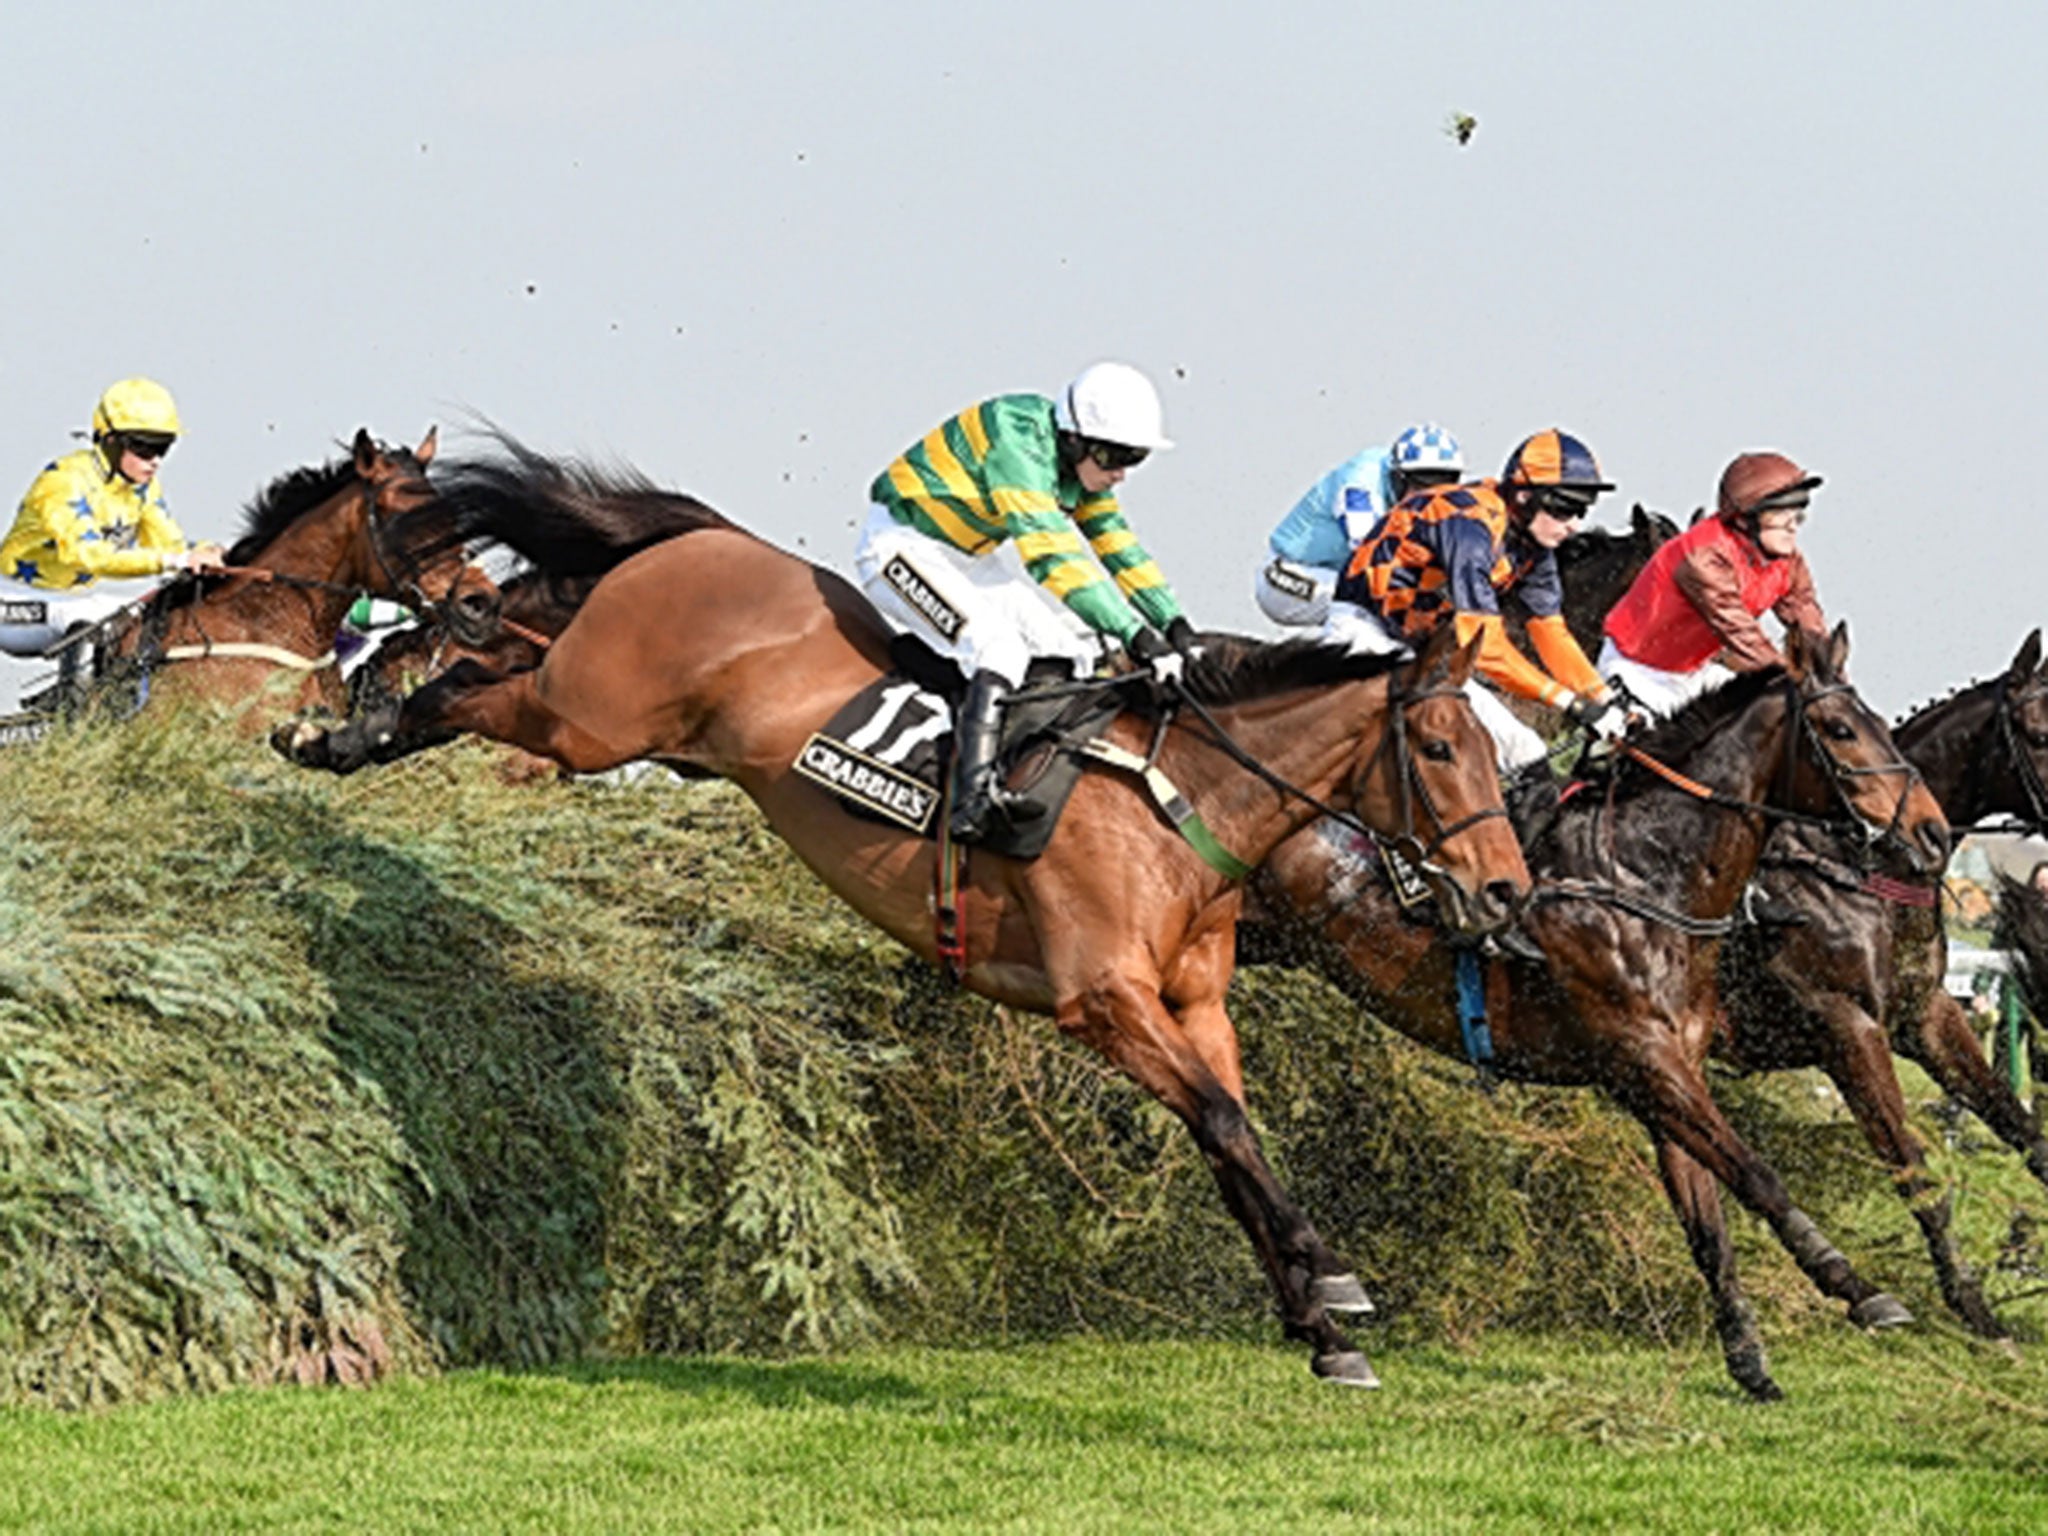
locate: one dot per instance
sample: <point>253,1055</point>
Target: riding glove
<point>1605,721</point>
<point>1151,651</point>
<point>1180,634</point>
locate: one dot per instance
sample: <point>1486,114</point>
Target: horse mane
<point>281,503</point>
<point>1234,669</point>
<point>1675,740</point>
<point>568,517</point>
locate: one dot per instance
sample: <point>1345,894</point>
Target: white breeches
<point>1662,693</point>
<point>62,611</point>
<point>1515,745</point>
<point>1293,594</point>
<point>983,611</point>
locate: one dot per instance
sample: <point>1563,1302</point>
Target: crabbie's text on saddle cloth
<point>876,765</point>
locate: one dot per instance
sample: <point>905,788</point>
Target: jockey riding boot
<point>977,782</point>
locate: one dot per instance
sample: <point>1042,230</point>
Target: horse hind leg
<point>1697,1200</point>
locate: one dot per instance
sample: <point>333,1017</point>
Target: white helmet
<point>1425,447</point>
<point>1112,403</point>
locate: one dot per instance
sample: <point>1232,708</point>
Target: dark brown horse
<point>1861,976</point>
<point>716,653</point>
<point>1635,885</point>
<point>313,541</point>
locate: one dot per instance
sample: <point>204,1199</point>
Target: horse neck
<point>1696,855</point>
<point>319,545</point>
<point>1309,739</point>
<point>1594,584</point>
<point>1967,768</point>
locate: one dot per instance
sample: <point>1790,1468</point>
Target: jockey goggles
<point>146,445</point>
<point>1566,503</point>
<point>1114,455</point>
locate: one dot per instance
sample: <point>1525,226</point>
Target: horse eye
<point>1837,731</point>
<point>1437,751</point>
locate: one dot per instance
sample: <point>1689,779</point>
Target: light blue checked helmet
<point>1427,447</point>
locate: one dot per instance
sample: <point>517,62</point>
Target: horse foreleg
<point>1697,1200</point>
<point>1130,1025</point>
<point>1671,1098</point>
<point>1941,1041</point>
<point>467,699</point>
<point>1858,1058</point>
<point>1195,998</point>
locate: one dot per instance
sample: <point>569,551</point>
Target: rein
<point>1613,894</point>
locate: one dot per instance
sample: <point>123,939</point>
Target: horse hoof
<point>1339,1293</point>
<point>1880,1311</point>
<point>1346,1367</point>
<point>290,740</point>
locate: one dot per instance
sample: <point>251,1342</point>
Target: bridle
<point>1408,842</point>
<point>1841,777</point>
<point>2023,766</point>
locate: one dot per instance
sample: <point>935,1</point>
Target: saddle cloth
<point>885,754</point>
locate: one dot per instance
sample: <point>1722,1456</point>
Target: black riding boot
<point>976,731</point>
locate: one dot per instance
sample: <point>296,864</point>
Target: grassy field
<point>1920,1432</point>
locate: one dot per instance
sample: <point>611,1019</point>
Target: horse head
<point>1432,775</point>
<point>407,548</point>
<point>1841,756</point>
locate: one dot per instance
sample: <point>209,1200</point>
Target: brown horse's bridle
<point>1407,842</point>
<point>1841,776</point>
<point>2022,761</point>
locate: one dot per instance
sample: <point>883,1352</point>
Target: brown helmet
<point>1752,479</point>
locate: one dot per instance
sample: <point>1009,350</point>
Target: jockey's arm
<point>1471,560</point>
<point>1023,489</point>
<point>1800,607</point>
<point>1541,589</point>
<point>1713,585</point>
<point>48,517</point>
<point>1137,575</point>
<point>1504,666</point>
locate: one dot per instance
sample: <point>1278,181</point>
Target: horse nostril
<point>1934,837</point>
<point>479,605</point>
<point>1503,894</point>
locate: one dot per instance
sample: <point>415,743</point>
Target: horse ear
<point>365,450</point>
<point>425,452</point>
<point>1697,514</point>
<point>1466,661</point>
<point>2024,665</point>
<point>1838,652</point>
<point>1639,520</point>
<point>1436,663</point>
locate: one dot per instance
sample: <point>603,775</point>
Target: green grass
<point>1917,1432</point>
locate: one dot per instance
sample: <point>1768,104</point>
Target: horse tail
<point>567,517</point>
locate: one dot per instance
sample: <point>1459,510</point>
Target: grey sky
<point>757,248</point>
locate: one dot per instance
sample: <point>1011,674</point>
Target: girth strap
<point>248,650</point>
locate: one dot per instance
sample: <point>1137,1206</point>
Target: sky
<point>756,249</point>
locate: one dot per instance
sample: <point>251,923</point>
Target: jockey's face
<point>1777,531</point>
<point>1554,512</point>
<point>1094,478</point>
<point>139,456</point>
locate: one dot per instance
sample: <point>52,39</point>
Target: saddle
<point>885,754</point>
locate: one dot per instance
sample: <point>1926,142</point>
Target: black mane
<point>1236,668</point>
<point>565,516</point>
<point>281,503</point>
<point>1675,740</point>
